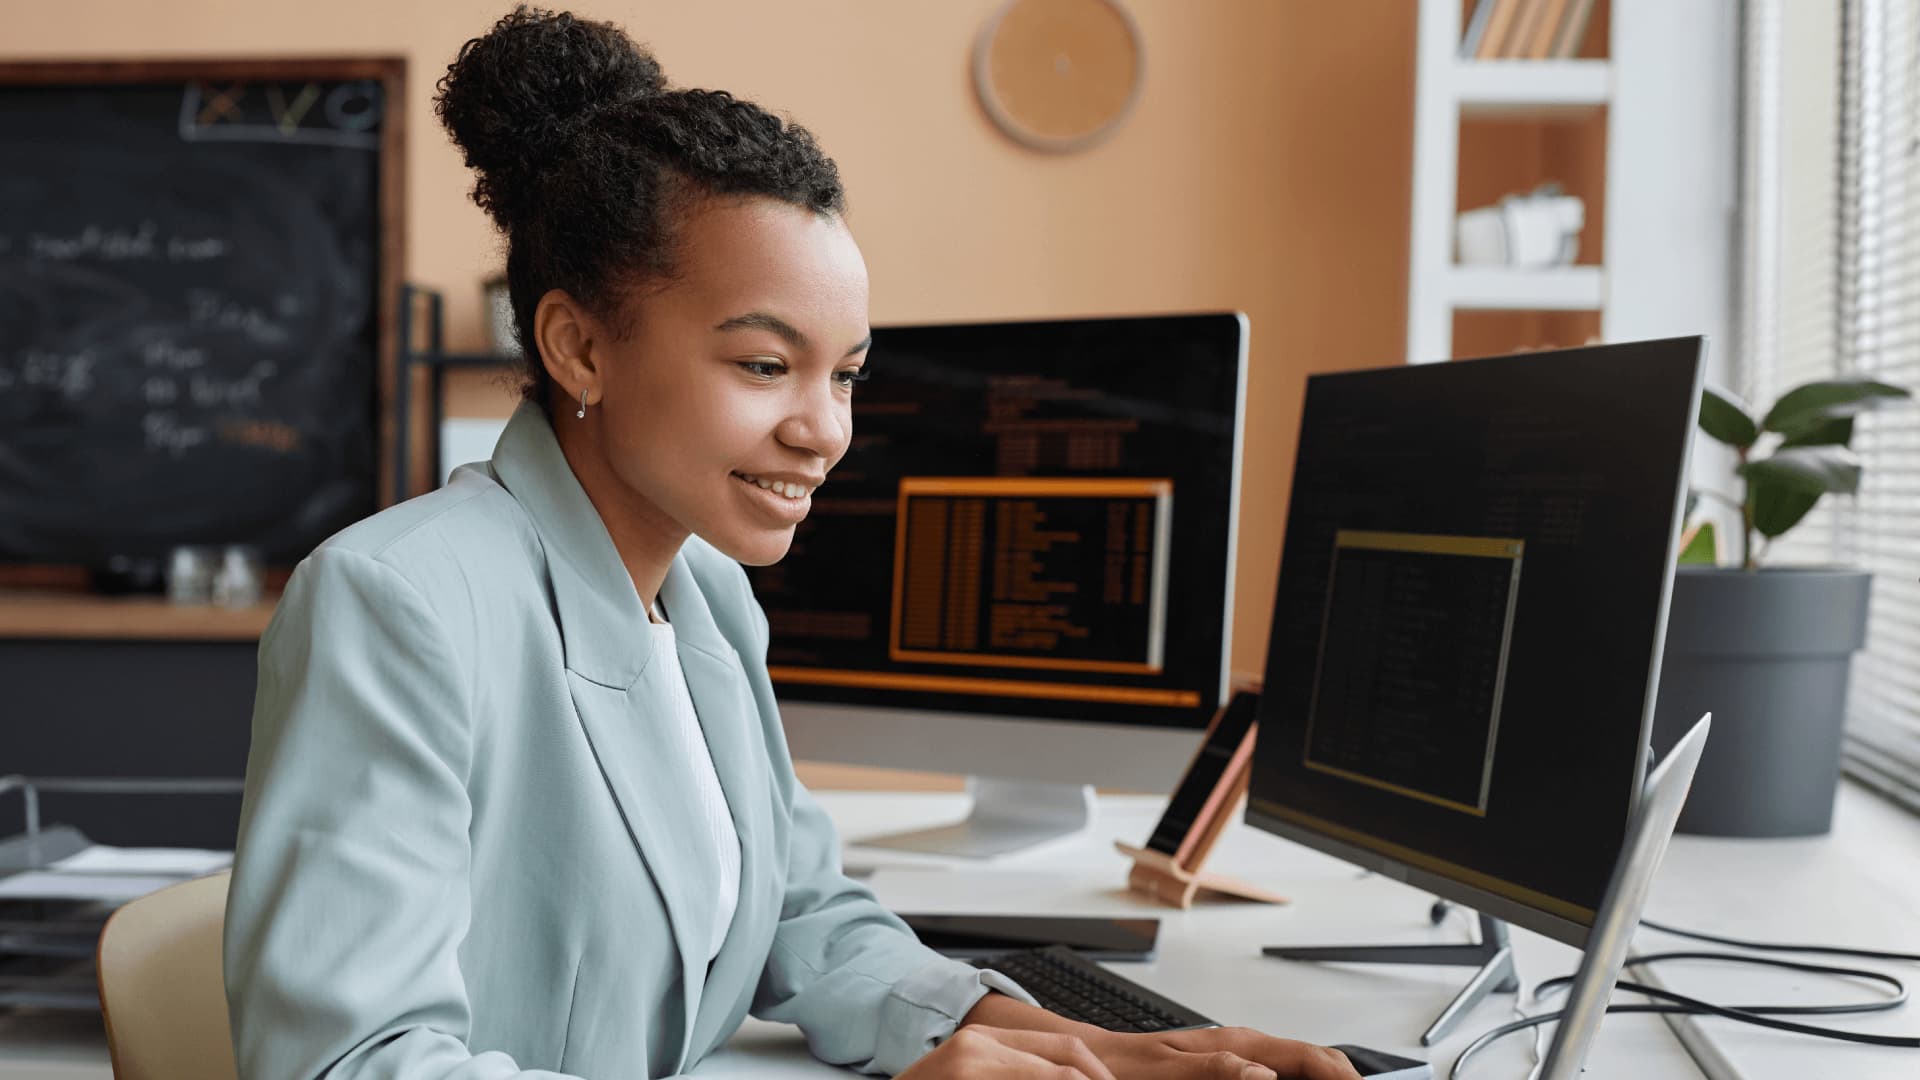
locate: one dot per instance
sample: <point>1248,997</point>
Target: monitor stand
<point>1493,955</point>
<point>1007,816</point>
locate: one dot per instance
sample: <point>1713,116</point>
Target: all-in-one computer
<point>1022,569</point>
<point>1466,637</point>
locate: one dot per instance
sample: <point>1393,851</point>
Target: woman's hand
<point>1098,1054</point>
<point>1216,1054</point>
<point>977,1052</point>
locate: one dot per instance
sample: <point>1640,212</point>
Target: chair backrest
<point>162,992</point>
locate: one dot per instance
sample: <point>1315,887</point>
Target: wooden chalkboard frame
<point>391,73</point>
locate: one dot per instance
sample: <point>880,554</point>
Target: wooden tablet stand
<point>1175,879</point>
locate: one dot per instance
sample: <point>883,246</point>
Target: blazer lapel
<point>731,723</point>
<point>618,686</point>
<point>654,796</point>
<point>602,622</point>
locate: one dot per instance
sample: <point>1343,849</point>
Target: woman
<point>518,803</point>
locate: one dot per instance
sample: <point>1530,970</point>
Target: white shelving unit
<point>1667,89</point>
<point>1490,288</point>
<point>1509,87</point>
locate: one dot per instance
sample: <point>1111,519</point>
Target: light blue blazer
<point>461,848</point>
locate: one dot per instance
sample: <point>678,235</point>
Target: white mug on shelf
<point>1531,231</point>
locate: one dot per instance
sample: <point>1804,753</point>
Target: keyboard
<point>1066,983</point>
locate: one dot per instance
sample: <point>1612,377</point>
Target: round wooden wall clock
<point>1058,75</point>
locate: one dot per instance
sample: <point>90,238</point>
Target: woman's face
<point>731,398</point>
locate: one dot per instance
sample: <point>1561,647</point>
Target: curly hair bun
<point>515,97</point>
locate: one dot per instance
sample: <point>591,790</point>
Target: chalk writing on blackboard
<point>344,114</point>
<point>188,315</point>
<point>165,433</point>
<point>265,434</point>
<point>139,242</point>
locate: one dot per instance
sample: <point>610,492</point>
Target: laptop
<point>1648,831</point>
<point>1074,986</point>
<point>1626,897</point>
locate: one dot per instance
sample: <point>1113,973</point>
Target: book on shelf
<point>1526,29</point>
<point>1540,44</point>
<point>1532,14</point>
<point>1476,29</point>
<point>1498,25</point>
<point>1573,29</point>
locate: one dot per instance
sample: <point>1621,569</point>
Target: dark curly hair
<point>585,158</point>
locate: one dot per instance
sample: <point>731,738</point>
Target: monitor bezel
<point>1518,913</point>
<point>819,703</point>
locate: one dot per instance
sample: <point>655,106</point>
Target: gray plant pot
<point>1767,653</point>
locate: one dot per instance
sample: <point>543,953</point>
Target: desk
<point>1860,885</point>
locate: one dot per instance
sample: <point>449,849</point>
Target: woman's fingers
<point>1227,1065</point>
<point>1287,1057</point>
<point>1324,1063</point>
<point>1060,1049</point>
<point>978,1052</point>
<point>1039,1053</point>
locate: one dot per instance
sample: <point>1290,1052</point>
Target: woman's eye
<point>850,377</point>
<point>765,369</point>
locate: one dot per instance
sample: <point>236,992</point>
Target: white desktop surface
<point>1860,886</point>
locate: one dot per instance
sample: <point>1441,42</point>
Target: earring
<point>582,414</point>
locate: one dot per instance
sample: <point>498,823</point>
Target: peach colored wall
<point>1266,168</point>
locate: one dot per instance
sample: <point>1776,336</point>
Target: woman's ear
<point>565,333</point>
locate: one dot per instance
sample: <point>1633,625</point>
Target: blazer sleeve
<point>847,971</point>
<point>349,896</point>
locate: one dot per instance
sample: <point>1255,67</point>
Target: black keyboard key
<point>1066,983</point>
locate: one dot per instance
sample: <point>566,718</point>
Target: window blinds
<point>1849,301</point>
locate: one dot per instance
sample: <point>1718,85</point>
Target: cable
<point>1766,946</point>
<point>1535,1021</point>
<point>1761,1015</point>
<point>1437,914</point>
<point>1440,908</point>
<point>1751,1014</point>
<point>1898,999</point>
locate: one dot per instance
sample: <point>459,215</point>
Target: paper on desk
<point>45,885</point>
<point>179,862</point>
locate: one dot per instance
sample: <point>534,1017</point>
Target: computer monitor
<point>1022,570</point>
<point>1466,637</point>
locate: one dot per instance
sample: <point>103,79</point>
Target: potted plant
<point>1767,649</point>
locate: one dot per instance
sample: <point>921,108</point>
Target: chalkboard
<point>192,326</point>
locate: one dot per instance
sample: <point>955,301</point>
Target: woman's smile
<point>777,496</point>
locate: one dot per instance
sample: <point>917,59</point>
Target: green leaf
<point>1777,509</point>
<point>1724,417</point>
<point>1828,399</point>
<point>1835,432</point>
<point>1702,548</point>
<point>1810,470</point>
